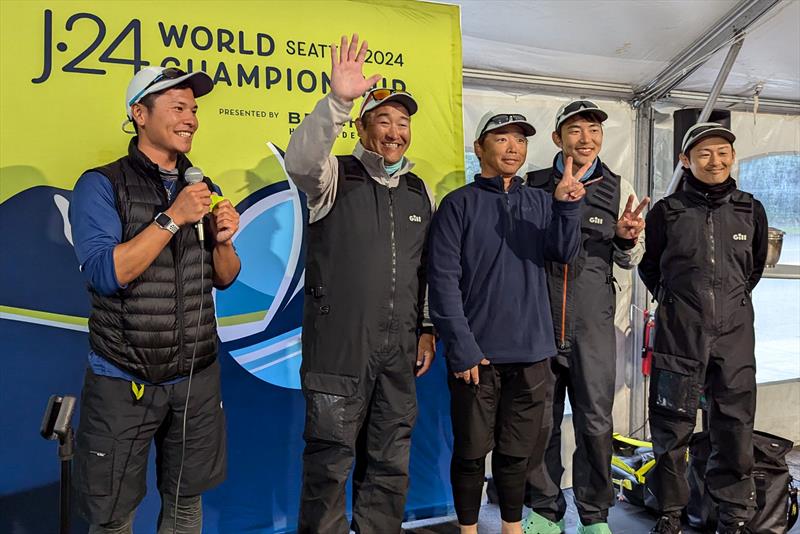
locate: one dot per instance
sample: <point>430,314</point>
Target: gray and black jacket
<point>365,278</point>
<point>583,292</point>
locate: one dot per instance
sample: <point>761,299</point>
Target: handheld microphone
<point>192,176</point>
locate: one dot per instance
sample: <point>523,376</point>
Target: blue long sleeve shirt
<point>487,284</point>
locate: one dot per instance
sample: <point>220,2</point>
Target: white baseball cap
<point>576,107</point>
<point>154,79</point>
<point>492,121</point>
<point>379,96</point>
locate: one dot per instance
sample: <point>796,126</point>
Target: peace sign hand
<point>347,66</point>
<point>569,189</point>
<point>631,223</point>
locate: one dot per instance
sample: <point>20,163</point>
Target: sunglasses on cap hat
<point>499,120</point>
<point>167,74</point>
<point>376,97</point>
<point>577,106</point>
<point>380,94</point>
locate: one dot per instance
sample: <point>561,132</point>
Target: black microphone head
<point>193,175</point>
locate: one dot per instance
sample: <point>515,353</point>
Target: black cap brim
<point>705,134</point>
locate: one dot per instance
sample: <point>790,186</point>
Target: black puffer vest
<point>364,267</point>
<point>149,328</point>
<point>582,295</point>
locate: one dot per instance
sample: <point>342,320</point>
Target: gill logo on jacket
<point>596,220</point>
<point>740,237</point>
<point>415,218</point>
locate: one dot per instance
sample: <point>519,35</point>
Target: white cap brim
<point>583,111</point>
<point>200,82</point>
<point>527,128</point>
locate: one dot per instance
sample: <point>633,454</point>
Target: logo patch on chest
<point>740,237</point>
<point>596,220</point>
<point>415,218</point>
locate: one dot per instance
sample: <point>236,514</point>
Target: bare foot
<point>512,528</point>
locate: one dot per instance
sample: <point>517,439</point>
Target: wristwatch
<point>165,222</point>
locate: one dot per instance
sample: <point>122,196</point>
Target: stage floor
<point>623,518</point>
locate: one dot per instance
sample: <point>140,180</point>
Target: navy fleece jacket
<point>486,279</point>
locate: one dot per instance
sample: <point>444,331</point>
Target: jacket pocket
<point>331,407</point>
<point>94,464</point>
<point>675,385</point>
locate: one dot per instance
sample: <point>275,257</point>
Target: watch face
<point>163,220</point>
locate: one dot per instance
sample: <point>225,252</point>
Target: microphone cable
<point>189,387</point>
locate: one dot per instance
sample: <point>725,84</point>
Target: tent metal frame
<point>533,84</point>
<point>728,30</point>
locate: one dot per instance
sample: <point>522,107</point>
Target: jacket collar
<point>712,196</point>
<point>373,162</point>
<point>144,165</point>
<point>495,183</point>
<point>597,173</point>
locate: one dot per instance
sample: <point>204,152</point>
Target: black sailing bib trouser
<point>583,303</point>
<point>705,339</point>
<point>364,286</point>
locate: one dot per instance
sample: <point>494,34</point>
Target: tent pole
<point>643,184</point>
<point>738,20</point>
<point>716,89</point>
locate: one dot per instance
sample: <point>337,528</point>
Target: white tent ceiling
<point>629,42</point>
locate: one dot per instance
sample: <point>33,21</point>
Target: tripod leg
<point>65,454</point>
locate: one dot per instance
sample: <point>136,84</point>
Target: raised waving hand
<point>347,69</point>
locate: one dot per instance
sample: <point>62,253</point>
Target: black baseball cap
<point>703,130</point>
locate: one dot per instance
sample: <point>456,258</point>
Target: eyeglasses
<point>166,74</point>
<point>499,120</point>
<point>578,105</point>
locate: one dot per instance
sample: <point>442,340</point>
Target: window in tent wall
<point>774,179</point>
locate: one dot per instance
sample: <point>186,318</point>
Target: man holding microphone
<point>153,373</point>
